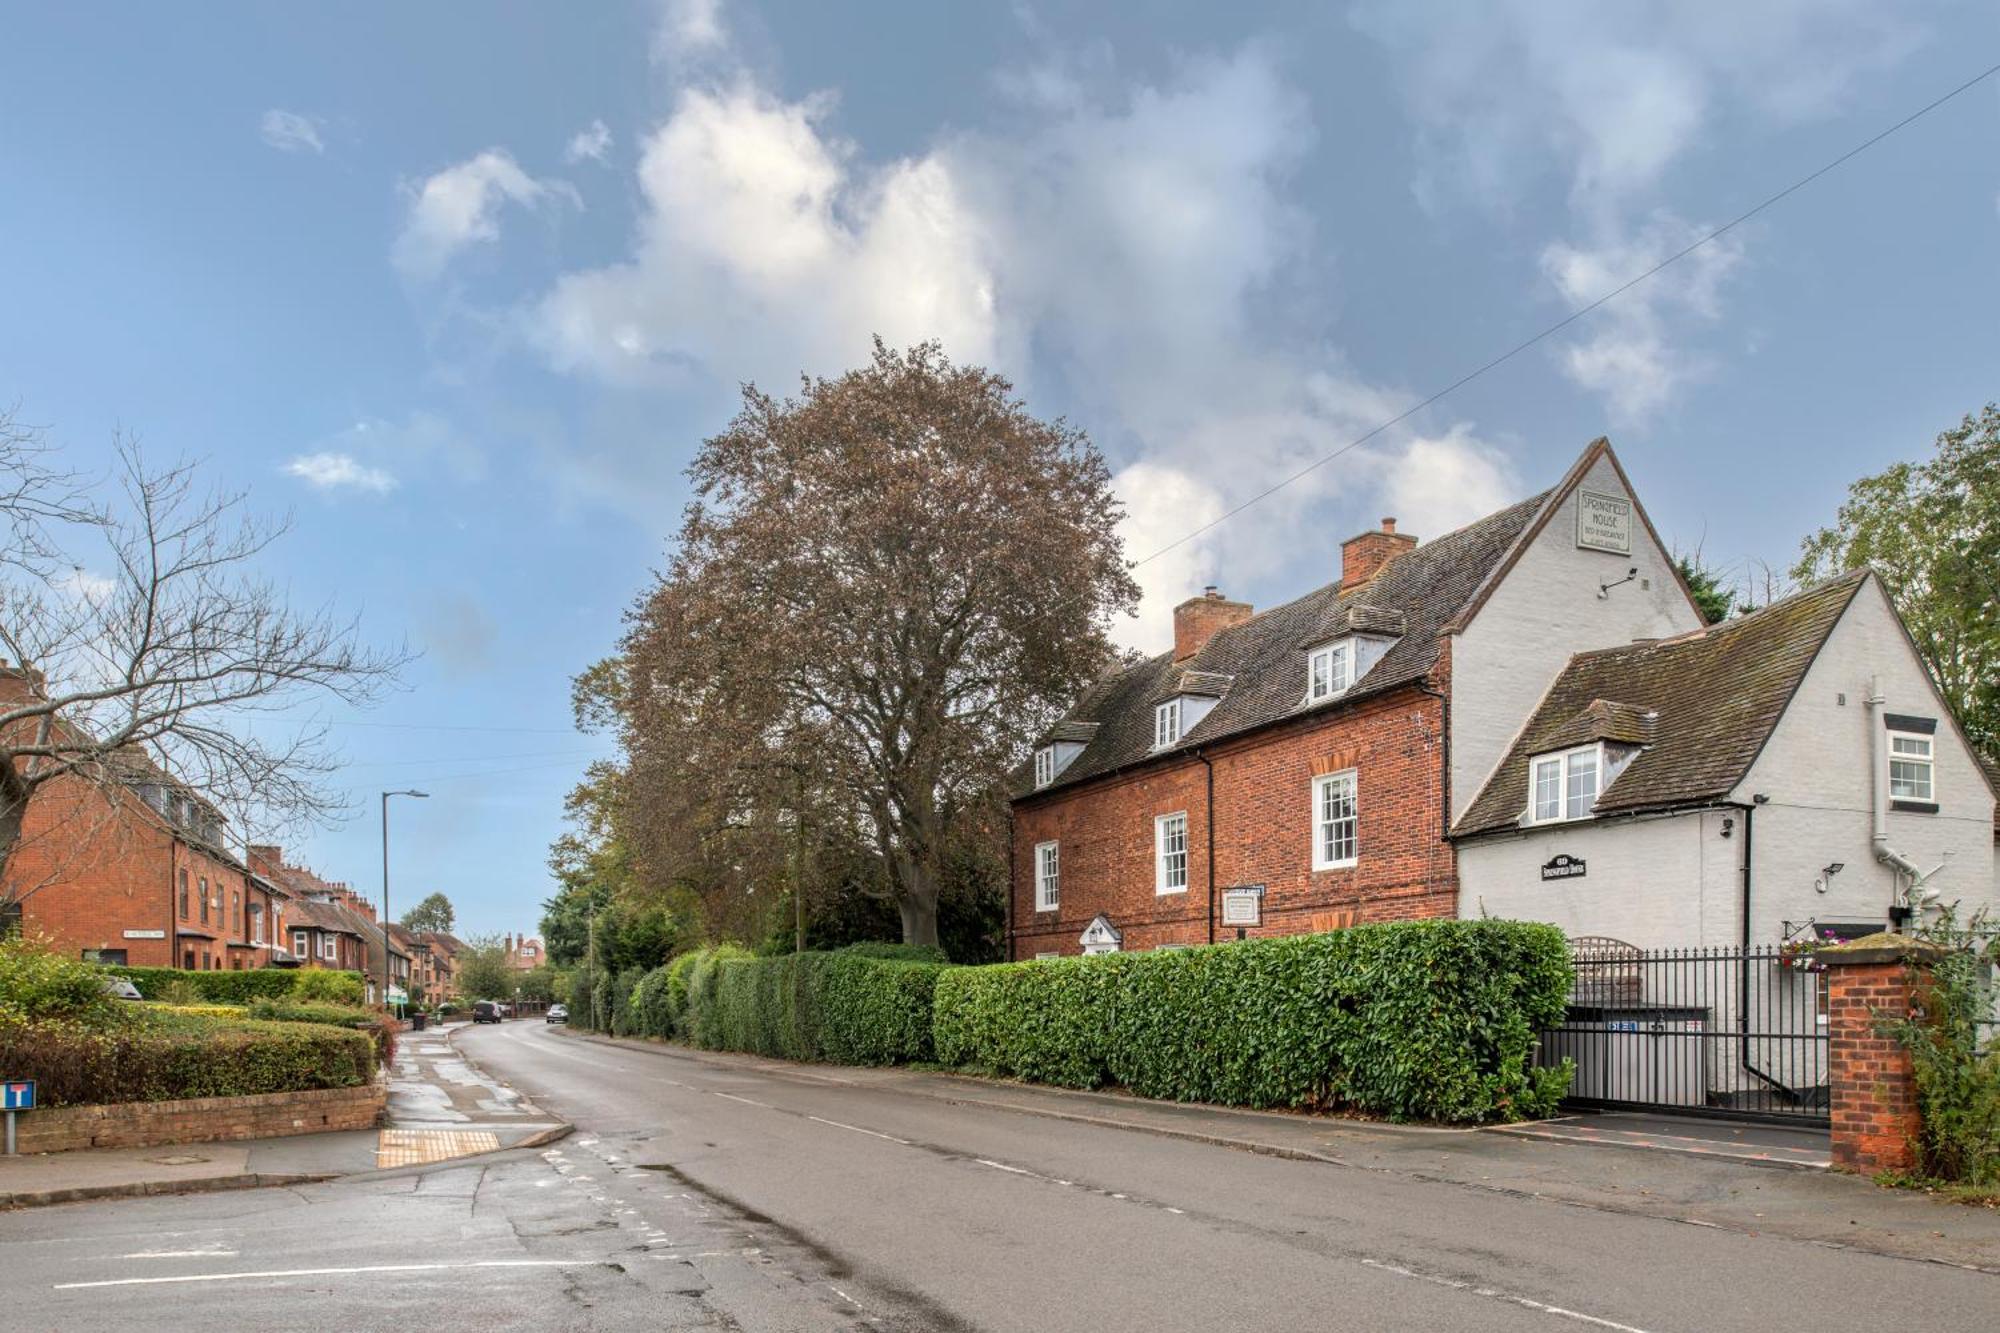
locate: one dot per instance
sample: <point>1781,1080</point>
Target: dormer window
<point>1329,670</point>
<point>1166,724</point>
<point>1564,786</point>
<point>1045,765</point>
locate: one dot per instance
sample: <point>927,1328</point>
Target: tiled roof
<point>1419,591</point>
<point>1701,704</point>
<point>312,914</point>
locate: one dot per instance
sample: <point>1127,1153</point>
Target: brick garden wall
<point>1872,1088</point>
<point>1263,834</point>
<point>201,1119</point>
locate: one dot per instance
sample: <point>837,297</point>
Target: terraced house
<point>1300,768</point>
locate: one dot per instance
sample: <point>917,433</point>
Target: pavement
<point>1753,1143</point>
<point>439,1108</point>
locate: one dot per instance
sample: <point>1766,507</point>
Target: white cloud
<point>593,142</point>
<point>1134,244</point>
<point>1627,356</point>
<point>1610,99</point>
<point>330,471</point>
<point>87,587</point>
<point>689,31</point>
<point>459,207</point>
<point>1442,482</point>
<point>290,132</point>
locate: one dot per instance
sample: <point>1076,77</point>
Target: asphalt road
<point>706,1195</point>
<point>966,1217</point>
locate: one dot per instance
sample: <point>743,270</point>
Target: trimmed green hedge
<point>379,1031</point>
<point>844,1006</point>
<point>153,1056</point>
<point>1430,1020</point>
<point>262,983</point>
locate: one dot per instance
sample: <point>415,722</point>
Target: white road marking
<point>325,1272</point>
<point>841,1124</point>
<point>1002,1166</point>
<point>1494,1293</point>
<point>213,1252</point>
<point>747,1101</point>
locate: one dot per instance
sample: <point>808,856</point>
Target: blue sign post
<point>16,1094</point>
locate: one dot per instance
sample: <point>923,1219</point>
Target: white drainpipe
<point>1878,750</point>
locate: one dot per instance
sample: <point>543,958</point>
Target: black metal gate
<point>1731,1032</point>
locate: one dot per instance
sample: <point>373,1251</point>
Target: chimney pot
<point>1389,524</point>
<point>1197,620</point>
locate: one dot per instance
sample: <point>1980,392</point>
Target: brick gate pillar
<point>1870,982</point>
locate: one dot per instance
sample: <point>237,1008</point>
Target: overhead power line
<point>1573,316</point>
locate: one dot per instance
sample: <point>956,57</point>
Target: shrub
<point>902,953</point>
<point>379,1029</point>
<point>211,1010</point>
<point>1042,1021</point>
<point>164,1056</point>
<point>1431,1020</point>
<point>624,986</point>
<point>841,1006</point>
<point>650,1014</point>
<point>582,986</point>
<point>701,975</point>
<point>233,987</point>
<point>1957,1074</point>
<point>325,984</point>
<point>36,983</point>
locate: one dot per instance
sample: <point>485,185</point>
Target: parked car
<point>122,988</point>
<point>487,1011</point>
<point>558,1013</point>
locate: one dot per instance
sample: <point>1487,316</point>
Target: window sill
<point>1902,807</point>
<point>1348,864</point>
<point>1048,911</point>
<point>1168,893</point>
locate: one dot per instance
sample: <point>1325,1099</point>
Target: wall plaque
<point>1604,522</point>
<point>1563,867</point>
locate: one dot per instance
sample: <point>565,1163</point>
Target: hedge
<point>843,1006</point>
<point>154,1056</point>
<point>233,987</point>
<point>1432,1020</point>
<point>379,1031</point>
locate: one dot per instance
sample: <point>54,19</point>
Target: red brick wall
<point>202,1119</point>
<point>1263,834</point>
<point>88,868</point>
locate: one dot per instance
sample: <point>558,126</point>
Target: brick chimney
<point>1365,556</point>
<point>1198,618</point>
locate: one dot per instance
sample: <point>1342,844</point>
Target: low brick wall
<point>1872,982</point>
<point>202,1119</point>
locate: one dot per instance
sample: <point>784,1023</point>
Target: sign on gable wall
<point>1563,866</point>
<point>1604,522</point>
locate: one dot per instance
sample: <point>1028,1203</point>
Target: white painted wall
<point>1659,883</point>
<point>1674,881</point>
<point>1818,771</point>
<point>1546,610</point>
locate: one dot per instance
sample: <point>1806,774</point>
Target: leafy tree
<point>433,913</point>
<point>1932,531</point>
<point>1715,600</point>
<point>882,591</point>
<point>483,972</point>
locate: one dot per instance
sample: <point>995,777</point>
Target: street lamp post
<point>420,795</point>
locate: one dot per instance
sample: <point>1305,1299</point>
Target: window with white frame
<point>299,945</point>
<point>1048,877</point>
<point>1565,785</point>
<point>1336,838</point>
<point>1170,853</point>
<point>328,946</point>
<point>1045,765</point>
<point>1329,671</point>
<point>1166,724</point>
<point>1912,767</point>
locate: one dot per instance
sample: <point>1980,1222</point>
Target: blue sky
<point>463,289</point>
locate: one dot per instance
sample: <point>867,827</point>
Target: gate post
<point>1871,982</point>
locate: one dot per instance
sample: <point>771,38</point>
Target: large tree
<point>150,651</point>
<point>884,588</point>
<point>434,913</point>
<point>1931,529</point>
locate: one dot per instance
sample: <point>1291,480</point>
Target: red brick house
<point>324,925</point>
<point>1298,769</point>
<point>126,865</point>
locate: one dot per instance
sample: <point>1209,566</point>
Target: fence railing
<point>1718,1031</point>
